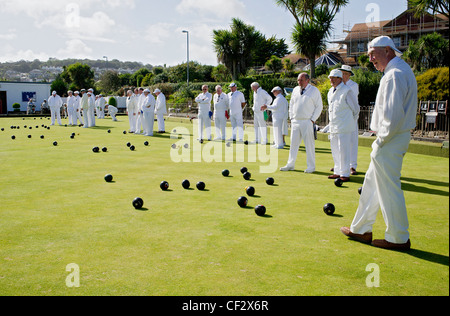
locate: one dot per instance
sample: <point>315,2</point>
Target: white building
<point>21,92</point>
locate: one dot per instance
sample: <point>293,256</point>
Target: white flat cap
<point>54,92</point>
<point>276,89</point>
<point>156,91</point>
<point>232,85</point>
<point>384,41</point>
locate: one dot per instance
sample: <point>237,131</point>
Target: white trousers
<point>91,116</point>
<point>340,149</point>
<point>260,128</point>
<point>278,132</point>
<point>237,124</point>
<point>77,116</point>
<point>302,130</point>
<point>204,123</point>
<point>220,121</point>
<point>382,189</point>
<point>139,118</point>
<point>354,148</point>
<point>147,122</point>
<point>161,123</point>
<point>132,117</point>
<point>71,114</point>
<point>55,114</point>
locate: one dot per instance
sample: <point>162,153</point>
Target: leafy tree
<point>235,47</point>
<point>435,6</point>
<point>78,76</point>
<point>60,86</point>
<point>429,51</point>
<point>313,25</point>
<point>274,64</point>
<point>110,82</point>
<point>221,73</point>
<point>268,47</point>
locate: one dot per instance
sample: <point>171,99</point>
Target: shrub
<point>112,101</point>
<point>16,107</point>
<point>433,84</point>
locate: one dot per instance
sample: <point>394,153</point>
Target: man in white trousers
<point>279,109</point>
<point>160,110</point>
<point>343,109</point>
<point>70,107</point>
<point>131,110</point>
<point>112,111</point>
<point>260,99</point>
<point>84,102</point>
<point>101,103</point>
<point>140,97</point>
<point>393,119</point>
<point>91,110</point>
<point>77,108</point>
<point>304,109</point>
<point>346,74</point>
<point>204,107</point>
<point>237,104</point>
<point>55,103</point>
<point>148,110</point>
<point>221,105</point>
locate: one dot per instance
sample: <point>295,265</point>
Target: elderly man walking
<point>343,110</point>
<point>304,109</point>
<point>393,119</point>
<point>221,105</point>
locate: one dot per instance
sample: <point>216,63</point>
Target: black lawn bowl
<point>132,148</point>
<point>186,184</point>
<point>138,203</point>
<point>108,178</point>
<point>55,143</point>
<point>338,182</point>
<point>247,175</point>
<point>104,149</point>
<point>242,201</point>
<point>226,173</point>
<point>201,186</point>
<point>13,137</point>
<point>95,149</point>
<point>244,170</point>
<point>146,143</point>
<point>164,185</point>
<point>128,145</point>
<point>260,210</point>
<point>270,181</point>
<point>329,209</point>
<point>250,191</point>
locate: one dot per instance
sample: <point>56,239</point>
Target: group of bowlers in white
<point>142,108</point>
<point>82,107</point>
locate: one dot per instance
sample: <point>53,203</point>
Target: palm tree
<point>313,25</point>
<point>235,48</point>
<point>436,6</point>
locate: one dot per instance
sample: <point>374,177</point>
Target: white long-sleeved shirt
<point>204,102</point>
<point>260,98</point>
<point>132,104</point>
<point>76,104</point>
<point>221,102</point>
<point>279,107</point>
<point>308,106</point>
<point>235,102</point>
<point>343,109</point>
<point>71,102</point>
<point>396,103</point>
<point>55,102</point>
<point>148,104</point>
<point>84,101</point>
<point>160,107</point>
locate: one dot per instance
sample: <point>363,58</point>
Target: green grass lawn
<point>56,209</point>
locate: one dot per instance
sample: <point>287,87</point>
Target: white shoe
<point>309,171</point>
<point>286,168</point>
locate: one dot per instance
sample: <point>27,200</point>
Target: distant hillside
<point>27,66</point>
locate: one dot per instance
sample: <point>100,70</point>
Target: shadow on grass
<point>429,256</point>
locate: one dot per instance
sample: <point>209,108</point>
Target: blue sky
<point>148,31</point>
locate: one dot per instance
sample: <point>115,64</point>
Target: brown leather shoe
<point>345,179</point>
<point>353,171</point>
<point>382,243</point>
<point>333,176</point>
<point>364,238</point>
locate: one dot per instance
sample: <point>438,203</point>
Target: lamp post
<point>187,33</point>
<point>106,59</point>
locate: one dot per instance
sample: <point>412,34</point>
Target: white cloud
<point>9,35</point>
<point>222,9</point>
<point>75,48</point>
<point>159,33</point>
